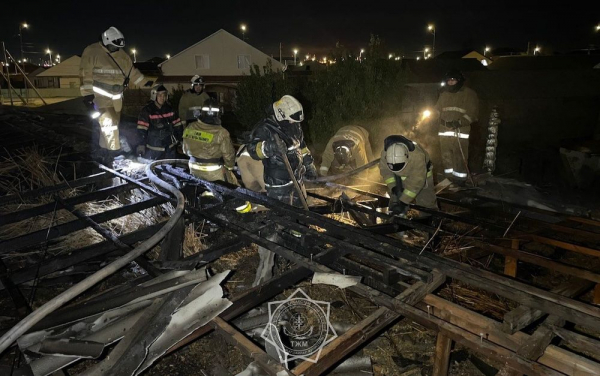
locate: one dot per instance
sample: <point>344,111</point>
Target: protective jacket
<point>457,112</point>
<point>159,129</point>
<point>300,158</point>
<point>106,75</point>
<point>209,148</point>
<point>361,153</point>
<point>251,170</point>
<point>414,182</point>
<point>188,100</point>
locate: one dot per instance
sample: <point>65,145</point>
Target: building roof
<point>433,70</point>
<point>150,67</point>
<point>454,54</point>
<point>207,79</point>
<point>67,68</point>
<point>558,62</point>
<point>224,39</point>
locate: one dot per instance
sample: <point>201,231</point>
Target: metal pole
<point>433,47</point>
<point>23,62</point>
<point>7,75</point>
<point>25,76</point>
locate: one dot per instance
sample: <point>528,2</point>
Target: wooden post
<point>441,363</point>
<point>510,262</point>
<point>596,299</point>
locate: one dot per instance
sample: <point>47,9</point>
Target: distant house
<point>16,77</point>
<point>221,59</point>
<point>150,69</point>
<point>465,54</point>
<point>61,76</point>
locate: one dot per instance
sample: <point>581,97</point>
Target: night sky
<point>157,28</point>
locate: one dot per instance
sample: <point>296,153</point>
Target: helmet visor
<point>119,42</point>
<point>297,116</point>
<point>396,166</point>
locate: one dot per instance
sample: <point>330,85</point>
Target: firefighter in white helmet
<point>407,171</point>
<point>191,99</point>
<point>348,149</point>
<point>106,71</point>
<point>283,123</point>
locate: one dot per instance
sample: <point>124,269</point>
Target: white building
<point>221,59</point>
<point>61,76</point>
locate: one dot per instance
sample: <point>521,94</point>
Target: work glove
<point>398,208</point>
<point>270,148</point>
<point>311,172</point>
<point>140,150</point>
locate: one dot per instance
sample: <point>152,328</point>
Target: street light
<point>134,52</point>
<point>425,51</point>
<point>50,54</point>
<point>58,59</point>
<point>486,49</point>
<point>243,27</point>
<point>295,54</point>
<point>431,28</point>
<point>390,56</point>
<point>537,50</point>
<point>168,56</point>
<point>21,27</point>
<point>598,27</point>
<point>362,51</point>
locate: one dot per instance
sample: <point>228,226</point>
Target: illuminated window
<point>244,61</point>
<point>202,62</point>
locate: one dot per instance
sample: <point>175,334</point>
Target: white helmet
<point>113,37</point>
<point>197,80</point>
<point>288,108</point>
<point>396,156</point>
<point>156,89</point>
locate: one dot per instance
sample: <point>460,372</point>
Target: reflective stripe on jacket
<point>208,142</point>
<point>158,128</point>
<point>413,176</point>
<point>102,76</point>
<point>362,152</point>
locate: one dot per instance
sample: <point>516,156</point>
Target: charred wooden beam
<point>269,364</point>
<point>112,237</point>
<point>79,255</point>
<point>48,208</point>
<point>22,196</point>
<point>523,316</point>
<point>42,236</point>
<point>578,341</point>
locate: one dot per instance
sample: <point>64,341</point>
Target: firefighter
<point>159,127</point>
<point>348,149</point>
<point>282,124</point>
<point>208,145</point>
<point>106,71</point>
<point>458,108</point>
<point>192,98</point>
<point>408,173</point>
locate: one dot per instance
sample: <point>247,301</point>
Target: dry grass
<point>478,300</point>
<point>193,242</point>
<point>27,169</point>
